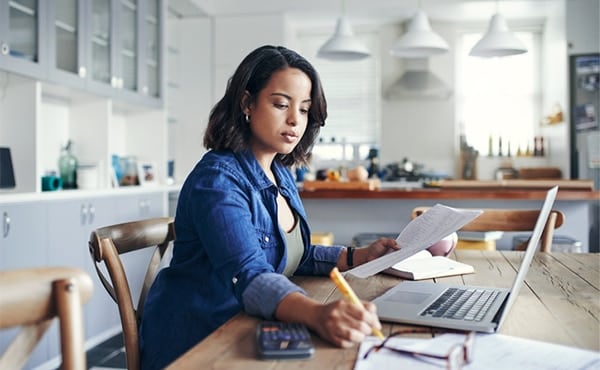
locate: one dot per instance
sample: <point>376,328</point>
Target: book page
<point>423,231</point>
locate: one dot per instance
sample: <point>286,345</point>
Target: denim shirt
<point>228,256</point>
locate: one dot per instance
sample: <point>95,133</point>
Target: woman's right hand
<point>344,323</point>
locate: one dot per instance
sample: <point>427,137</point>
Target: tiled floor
<point>109,354</point>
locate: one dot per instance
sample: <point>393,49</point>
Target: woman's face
<point>279,115</point>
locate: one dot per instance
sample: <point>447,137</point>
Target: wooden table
<point>560,303</point>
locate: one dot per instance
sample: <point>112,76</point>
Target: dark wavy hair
<point>227,127</point>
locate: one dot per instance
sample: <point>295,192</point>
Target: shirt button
<point>267,239</point>
<point>234,280</point>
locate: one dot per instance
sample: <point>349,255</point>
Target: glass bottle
<point>67,167</point>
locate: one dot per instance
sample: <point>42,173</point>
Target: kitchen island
<point>346,213</point>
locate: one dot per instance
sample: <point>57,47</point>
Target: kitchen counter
<point>576,190</point>
<point>346,213</point>
<point>435,193</point>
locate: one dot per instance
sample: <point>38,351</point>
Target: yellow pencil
<point>347,291</point>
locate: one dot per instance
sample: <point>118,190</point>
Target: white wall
<point>236,36</point>
<point>555,88</point>
<point>190,66</point>
<point>421,129</point>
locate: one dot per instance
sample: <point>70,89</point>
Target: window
<point>353,97</point>
<point>499,98</point>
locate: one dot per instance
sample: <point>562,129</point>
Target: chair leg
<point>19,350</point>
<point>69,311</point>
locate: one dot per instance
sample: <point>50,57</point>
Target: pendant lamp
<point>343,45</point>
<point>498,40</point>
<point>419,41</point>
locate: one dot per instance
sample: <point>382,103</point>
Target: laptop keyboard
<point>463,304</point>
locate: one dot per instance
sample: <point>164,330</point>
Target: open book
<point>423,265</point>
<point>423,231</point>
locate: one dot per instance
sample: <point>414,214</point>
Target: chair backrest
<point>106,245</point>
<point>31,298</point>
<point>511,220</point>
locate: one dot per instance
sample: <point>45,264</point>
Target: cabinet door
<point>124,47</point>
<point>22,46</point>
<point>152,51</point>
<point>69,226</point>
<point>23,245</point>
<point>139,207</point>
<point>22,241</point>
<point>128,23</point>
<point>66,42</point>
<point>101,47</point>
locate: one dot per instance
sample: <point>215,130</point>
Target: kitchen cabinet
<point>65,29</point>
<point>142,206</point>
<point>22,46</point>
<point>23,245</point>
<point>112,48</point>
<point>124,49</point>
<point>97,81</point>
<point>69,226</point>
<point>55,233</point>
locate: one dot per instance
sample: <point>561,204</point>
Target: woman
<point>241,228</point>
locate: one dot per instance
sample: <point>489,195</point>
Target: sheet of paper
<point>490,352</point>
<point>423,231</point>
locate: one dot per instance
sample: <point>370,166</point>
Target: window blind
<point>352,91</point>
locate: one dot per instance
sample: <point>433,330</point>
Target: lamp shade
<point>498,41</point>
<point>343,45</point>
<point>420,40</point>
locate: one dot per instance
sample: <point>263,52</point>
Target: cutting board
<point>371,184</point>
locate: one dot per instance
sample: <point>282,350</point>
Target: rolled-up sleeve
<point>259,303</point>
<point>320,261</point>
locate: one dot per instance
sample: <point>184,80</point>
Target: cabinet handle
<point>91,213</point>
<point>143,207</point>
<point>84,214</point>
<point>6,225</point>
<point>4,48</point>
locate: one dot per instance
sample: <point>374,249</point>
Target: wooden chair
<point>31,298</point>
<point>511,220</point>
<point>106,245</point>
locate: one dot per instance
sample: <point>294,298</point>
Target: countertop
<point>476,190</point>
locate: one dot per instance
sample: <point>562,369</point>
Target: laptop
<point>482,309</point>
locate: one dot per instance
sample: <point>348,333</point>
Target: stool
<point>483,245</point>
<point>321,238</point>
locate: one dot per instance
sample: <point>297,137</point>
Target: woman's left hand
<point>375,250</point>
<point>365,254</point>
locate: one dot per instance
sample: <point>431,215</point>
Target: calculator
<point>283,340</point>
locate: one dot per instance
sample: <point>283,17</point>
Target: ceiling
<point>372,11</point>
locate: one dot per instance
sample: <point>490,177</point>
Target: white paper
<point>490,352</point>
<point>423,231</point>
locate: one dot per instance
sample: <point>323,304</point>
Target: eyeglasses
<point>458,355</point>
